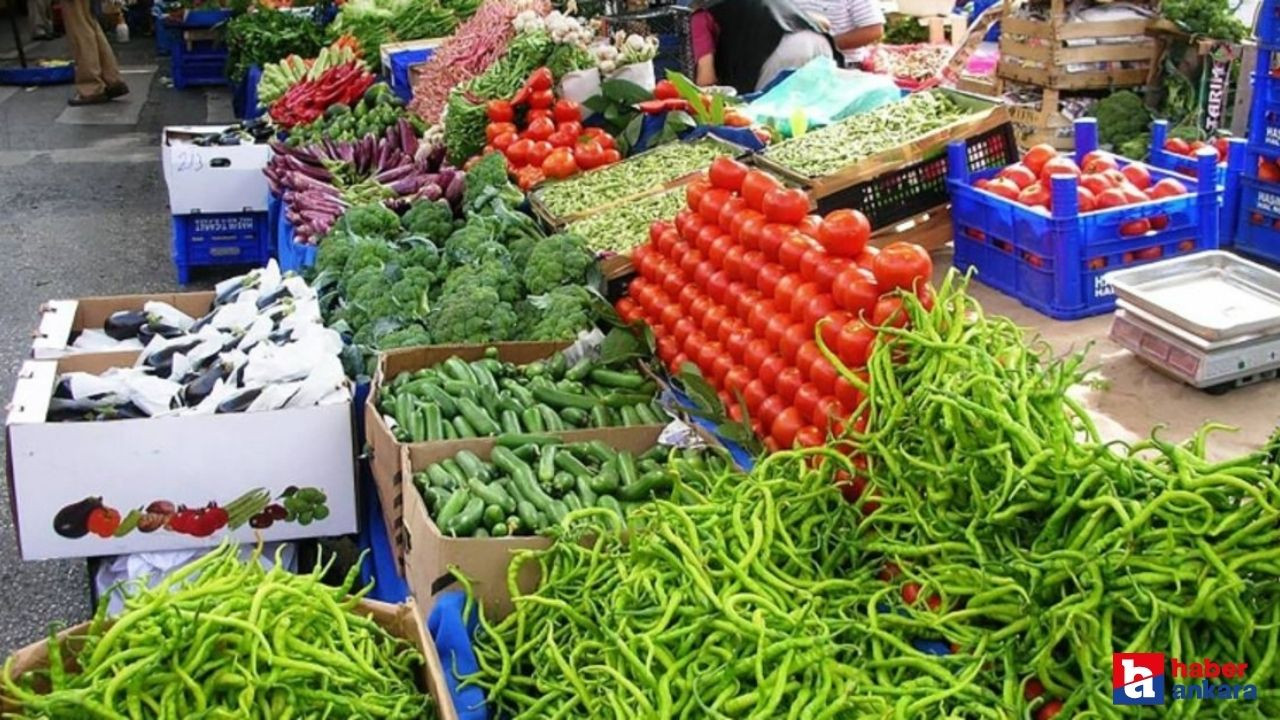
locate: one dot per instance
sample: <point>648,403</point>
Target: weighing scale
<point>1210,320</point>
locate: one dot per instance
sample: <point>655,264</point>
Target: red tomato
<point>1019,174</point>
<point>716,314</point>
<point>1133,194</point>
<point>693,228</point>
<point>1155,252</point>
<point>728,212</point>
<point>1037,156</point>
<point>683,328</point>
<point>566,110</point>
<point>711,203</point>
<point>733,260</point>
<point>693,192</point>
<point>720,367</point>
<point>1004,187</point>
<point>1116,178</point>
<point>728,327</point>
<point>677,363</point>
<point>807,399</point>
<point>811,263</point>
<point>855,344</point>
<point>811,225</point>
<point>1112,197</point>
<point>846,392</point>
<point>1033,689</point>
<point>749,268</point>
<point>1096,161</point>
<point>500,111</point>
<point>1095,183</point>
<point>738,341</point>
<point>807,356</point>
<point>560,164</point>
<point>719,248</point>
<point>810,437</point>
<point>1085,199</point>
<point>1135,227</point>
<point>868,257</point>
<point>670,315</point>
<point>785,290</point>
<point>708,235</point>
<point>777,328</point>
<point>541,99</point>
<point>588,154</point>
<point>856,290</point>
<point>788,383</point>
<point>828,413</point>
<point>1035,195</point>
<point>665,90</point>
<point>529,176</point>
<point>727,173</point>
<point>823,374</point>
<point>830,325</point>
<point>792,251</point>
<point>800,299</point>
<point>770,368</point>
<point>494,129</point>
<point>540,129</point>
<point>682,219</point>
<point>755,393</point>
<point>1049,710</point>
<point>1138,175</point>
<point>818,307</point>
<point>539,152</point>
<point>889,312</point>
<point>785,205</point>
<point>744,218</point>
<point>769,410</point>
<point>795,336</point>
<point>736,380</point>
<point>518,153</point>
<point>785,427</point>
<point>611,155</point>
<point>503,141</point>
<point>1160,222</point>
<point>844,233</point>
<point>902,265</point>
<point>773,236</point>
<point>758,318</point>
<point>541,113</point>
<point>1178,146</point>
<point>1268,171</point>
<point>752,234</point>
<point>702,274</point>
<point>1168,187</point>
<point>718,286</point>
<point>755,185</point>
<point>673,283</point>
<point>768,278</point>
<point>757,350</point>
<point>690,261</point>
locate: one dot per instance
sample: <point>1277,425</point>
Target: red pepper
<point>676,104</point>
<point>652,107</point>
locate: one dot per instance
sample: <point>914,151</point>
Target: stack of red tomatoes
<point>741,282</point>
<point>542,136</point>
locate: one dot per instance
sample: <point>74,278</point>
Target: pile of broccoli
<point>429,278</point>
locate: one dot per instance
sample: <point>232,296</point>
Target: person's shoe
<point>115,90</point>
<point>79,100</point>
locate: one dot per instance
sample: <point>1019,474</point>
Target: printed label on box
<point>1269,202</point>
<point>1102,288</point>
<point>227,223</point>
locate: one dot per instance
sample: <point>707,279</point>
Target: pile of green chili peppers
<point>1030,547</point>
<point>225,638</point>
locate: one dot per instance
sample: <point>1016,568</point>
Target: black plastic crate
<point>905,193</point>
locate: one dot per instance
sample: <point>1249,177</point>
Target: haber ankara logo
<point>1137,678</point>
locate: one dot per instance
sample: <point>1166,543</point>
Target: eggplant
<point>123,411</point>
<point>281,336</point>
<point>198,389</point>
<point>124,324</point>
<point>202,321</point>
<point>272,297</point>
<point>240,402</point>
<point>72,521</point>
<point>68,414</point>
<point>162,360</point>
<point>164,330</point>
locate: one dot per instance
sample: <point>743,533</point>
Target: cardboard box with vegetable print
<point>471,504</point>
<point>82,489</point>
<point>440,396</point>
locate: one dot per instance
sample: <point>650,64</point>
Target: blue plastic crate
<point>290,254</point>
<point>273,223</point>
<point>202,66</point>
<point>1268,24</point>
<point>244,98</point>
<point>166,35</point>
<point>1240,161</point>
<point>205,18</point>
<point>400,62</point>
<point>1258,224</point>
<point>219,239</point>
<point>1055,262</point>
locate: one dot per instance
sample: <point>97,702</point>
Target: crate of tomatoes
<point>542,136</point>
<point>1179,155</point>
<point>773,304</point>
<point>1048,228</point>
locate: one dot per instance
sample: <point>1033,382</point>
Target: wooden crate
<point>1034,126</point>
<point>1044,43</point>
<point>930,230</point>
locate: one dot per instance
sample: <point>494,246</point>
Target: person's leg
<point>82,34</point>
<point>794,51</point>
<point>110,72</point>
<point>40,13</point>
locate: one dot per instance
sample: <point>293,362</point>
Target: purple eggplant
<point>454,190</point>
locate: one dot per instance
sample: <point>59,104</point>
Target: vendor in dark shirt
<point>746,43</point>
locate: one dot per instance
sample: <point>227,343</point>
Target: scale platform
<point>1210,320</point>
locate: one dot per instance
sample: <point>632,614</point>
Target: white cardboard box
<point>189,460</point>
<point>60,320</point>
<point>212,179</point>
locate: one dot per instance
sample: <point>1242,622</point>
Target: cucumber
<point>460,389</point>
<point>532,419</point>
<point>550,419</point>
<point>644,487</point>
<point>435,498</point>
<point>577,417</point>
<point>456,503</point>
<point>484,378</point>
<point>438,396</point>
<point>510,420</point>
<point>499,529</point>
<point>564,483</point>
<point>547,464</point>
<point>646,415</point>
<point>610,503</point>
<point>560,399</point>
<point>584,491</point>
<point>518,440</point>
<point>630,418</point>
<point>454,469</point>
<point>580,369</point>
<point>557,365</point>
<point>434,419</point>
<point>465,522</point>
<point>494,515</point>
<point>527,453</point>
<point>600,416</point>
<point>657,453</point>
<point>480,533</point>
<point>627,468</point>
<point>556,511</point>
<point>477,417</point>
<point>472,465</point>
<point>492,494</point>
<point>519,392</point>
<point>567,462</point>
<point>455,368</point>
<point>417,426</point>
<point>617,399</point>
<point>464,430</point>
<point>572,501</point>
<point>618,379</point>
<point>450,432</point>
<point>530,519</point>
<point>439,477</point>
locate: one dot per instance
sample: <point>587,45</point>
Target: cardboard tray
<point>403,621</point>
<point>187,460</point>
<point>386,464</point>
<point>987,114</point>
<point>484,561</point>
<point>61,320</point>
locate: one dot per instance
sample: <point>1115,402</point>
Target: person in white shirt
<point>854,23</point>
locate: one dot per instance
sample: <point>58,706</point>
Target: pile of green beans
<point>225,638</point>
<point>1030,543</point>
<point>458,399</point>
<point>623,228</point>
<point>845,143</point>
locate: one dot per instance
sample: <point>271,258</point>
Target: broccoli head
<point>433,220</point>
<point>373,220</point>
<point>560,314</point>
<point>407,336</point>
<point>410,291</point>
<point>473,243</point>
<point>1122,116</point>
<point>473,314</point>
<point>496,273</point>
<point>367,252</point>
<point>420,252</point>
<point>333,251</point>
<point>486,181</point>
<point>559,260</point>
